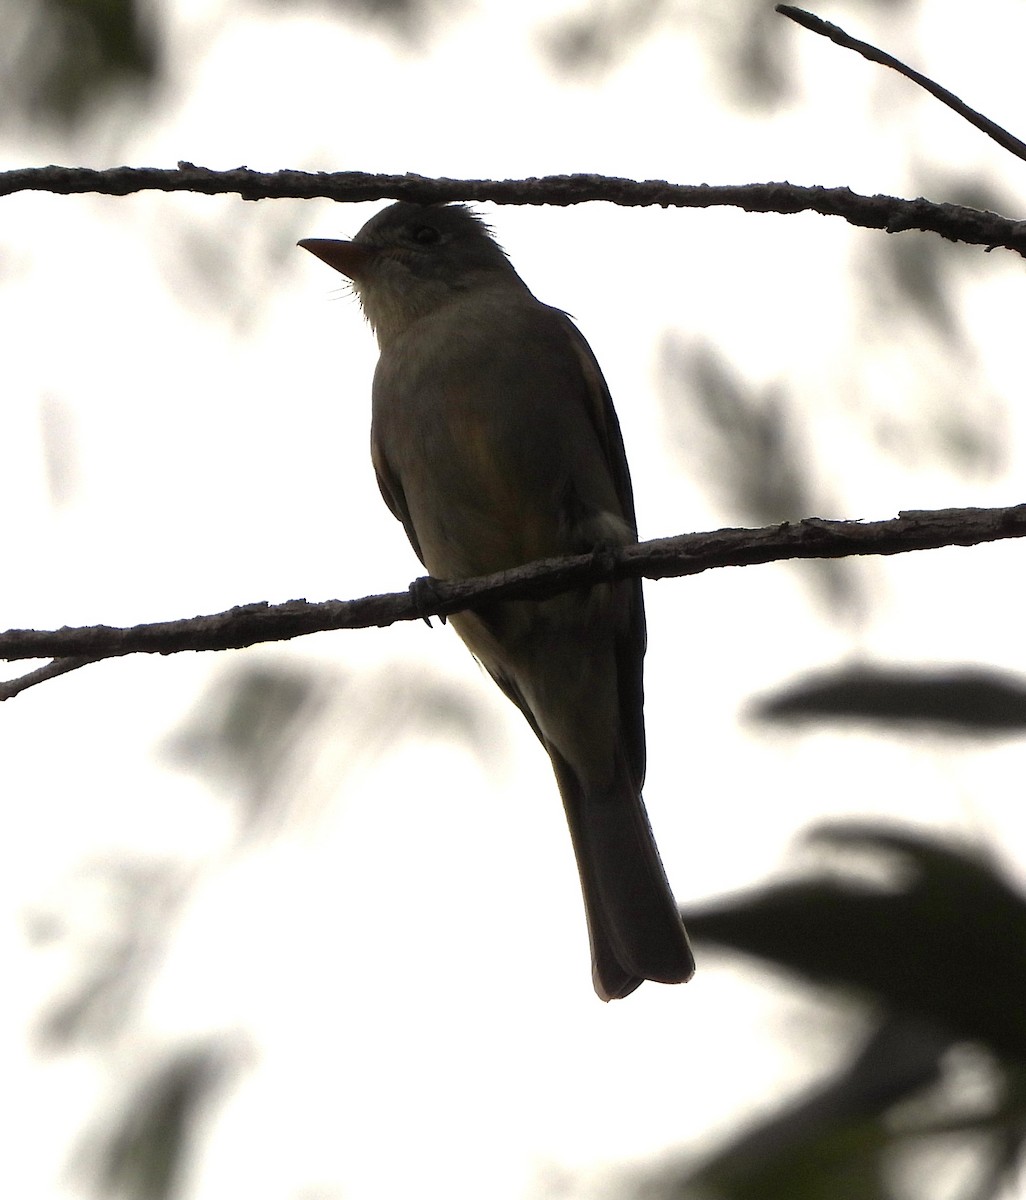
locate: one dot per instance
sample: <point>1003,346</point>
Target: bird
<point>495,443</point>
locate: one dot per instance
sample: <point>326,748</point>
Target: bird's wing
<point>632,638</point>
<point>393,495</point>
<point>603,417</point>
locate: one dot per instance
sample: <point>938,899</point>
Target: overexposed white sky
<point>410,966</point>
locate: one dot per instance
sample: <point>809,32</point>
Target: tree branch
<point>893,215</point>
<point>1007,141</point>
<point>9,688</point>
<point>665,558</point>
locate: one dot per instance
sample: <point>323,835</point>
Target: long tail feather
<point>633,921</point>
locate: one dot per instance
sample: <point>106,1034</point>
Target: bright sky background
<point>409,964</point>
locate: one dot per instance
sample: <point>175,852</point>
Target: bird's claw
<point>424,595</point>
<point>605,558</point>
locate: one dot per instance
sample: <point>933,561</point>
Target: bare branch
<point>1007,141</point>
<point>951,221</point>
<point>666,558</point>
<point>9,688</point>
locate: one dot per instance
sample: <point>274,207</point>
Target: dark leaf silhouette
<point>71,55</point>
<point>834,1141</point>
<point>938,948</point>
<point>945,943</point>
<point>966,699</point>
<point>143,1154</point>
<point>884,1126</point>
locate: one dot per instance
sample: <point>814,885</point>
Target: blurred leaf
<point>601,35</point>
<point>848,1161</point>
<point>760,70</point>
<point>744,42</point>
<point>60,58</point>
<point>109,924</point>
<point>830,1142</point>
<point>222,259</point>
<point>744,442</point>
<point>944,942</point>
<point>747,447</point>
<point>144,1152</point>
<point>915,269</point>
<point>968,188</point>
<point>963,700</point>
<point>938,945</point>
<point>270,731</point>
<point>249,728</point>
<point>945,411</point>
<point>901,1115</point>
<point>408,22</point>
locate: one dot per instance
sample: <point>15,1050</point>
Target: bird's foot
<point>424,595</point>
<point>605,558</point>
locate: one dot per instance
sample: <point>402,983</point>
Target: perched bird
<point>495,443</point>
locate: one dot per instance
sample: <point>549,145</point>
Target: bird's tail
<point>633,922</point>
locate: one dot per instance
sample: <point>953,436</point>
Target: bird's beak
<point>350,258</point>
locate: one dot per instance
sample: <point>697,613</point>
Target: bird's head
<point>411,259</point>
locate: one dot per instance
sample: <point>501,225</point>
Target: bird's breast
<point>481,421</point>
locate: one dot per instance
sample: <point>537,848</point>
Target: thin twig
<point>666,558</point>
<point>9,688</point>
<point>1007,141</point>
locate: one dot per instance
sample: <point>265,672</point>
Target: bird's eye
<point>425,235</point>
